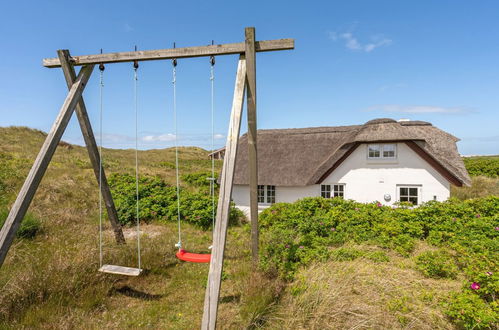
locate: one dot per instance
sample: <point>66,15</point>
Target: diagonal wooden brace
<point>93,152</point>
<point>41,163</point>
<point>223,210</point>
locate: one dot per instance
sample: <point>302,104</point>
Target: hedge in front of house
<point>311,229</point>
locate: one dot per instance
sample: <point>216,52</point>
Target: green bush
<point>29,227</point>
<point>377,256</point>
<point>471,312</point>
<point>437,264</point>
<point>346,254</point>
<point>312,229</point>
<point>486,166</point>
<point>157,200</point>
<point>199,179</point>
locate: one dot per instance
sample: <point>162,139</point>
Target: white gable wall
<point>368,180</point>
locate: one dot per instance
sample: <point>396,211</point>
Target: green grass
<point>30,226</point>
<point>50,279</point>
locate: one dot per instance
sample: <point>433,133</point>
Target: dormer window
<point>382,151</point>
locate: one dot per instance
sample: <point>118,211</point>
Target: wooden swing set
<point>245,84</point>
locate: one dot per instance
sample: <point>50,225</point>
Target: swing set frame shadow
<point>245,85</point>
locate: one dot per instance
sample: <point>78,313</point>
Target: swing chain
<point>174,82</point>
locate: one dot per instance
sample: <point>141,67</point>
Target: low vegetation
<point>324,263</point>
<point>465,233</point>
<point>158,201</point>
<point>482,166</point>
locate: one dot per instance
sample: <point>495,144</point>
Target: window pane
<point>404,192</point>
<point>270,194</point>
<point>340,187</point>
<point>373,151</point>
<point>413,192</point>
<point>413,200</point>
<point>404,199</point>
<point>389,150</point>
<point>326,190</point>
<point>261,194</point>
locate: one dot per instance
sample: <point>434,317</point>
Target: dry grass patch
<point>363,294</point>
<point>481,186</point>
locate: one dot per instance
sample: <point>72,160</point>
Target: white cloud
<point>128,28</point>
<point>385,88</point>
<point>218,136</point>
<point>352,42</point>
<point>419,109</point>
<point>159,138</point>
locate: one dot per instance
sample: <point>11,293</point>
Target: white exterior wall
<point>368,180</point>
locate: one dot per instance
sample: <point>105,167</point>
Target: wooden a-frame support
<point>245,84</point>
<point>76,85</point>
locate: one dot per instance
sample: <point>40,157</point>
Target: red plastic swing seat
<point>193,257</point>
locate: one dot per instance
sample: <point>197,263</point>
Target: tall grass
<point>481,186</point>
<point>29,227</point>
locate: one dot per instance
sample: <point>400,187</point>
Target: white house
<point>382,160</point>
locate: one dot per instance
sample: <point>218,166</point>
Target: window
<point>266,194</point>
<point>374,151</point>
<point>270,194</point>
<point>261,194</point>
<point>338,190</point>
<point>409,194</point>
<point>326,190</point>
<point>386,151</point>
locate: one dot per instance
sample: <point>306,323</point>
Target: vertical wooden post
<point>252,138</point>
<point>41,163</point>
<point>223,210</point>
<point>93,152</point>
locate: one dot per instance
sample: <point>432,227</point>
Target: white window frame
<point>326,190</point>
<point>409,186</point>
<point>267,196</point>
<point>332,190</point>
<point>381,147</point>
<point>337,192</point>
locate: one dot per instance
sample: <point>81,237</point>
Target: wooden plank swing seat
<point>245,84</point>
<point>193,257</point>
<point>120,270</point>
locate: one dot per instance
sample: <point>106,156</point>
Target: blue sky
<point>354,61</point>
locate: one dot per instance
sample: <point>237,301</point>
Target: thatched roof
<point>302,156</point>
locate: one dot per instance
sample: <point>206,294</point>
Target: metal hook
<point>174,61</point>
<point>135,63</point>
<point>212,57</point>
<point>101,66</point>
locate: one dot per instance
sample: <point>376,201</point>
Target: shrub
<point>377,256</point>
<point>312,229</point>
<point>199,179</point>
<point>346,254</point>
<point>437,264</point>
<point>29,227</point>
<point>471,312</point>
<point>486,166</point>
<point>157,200</point>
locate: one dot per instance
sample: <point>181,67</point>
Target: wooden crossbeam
<point>163,54</point>
<point>223,210</point>
<point>93,152</point>
<point>28,190</point>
